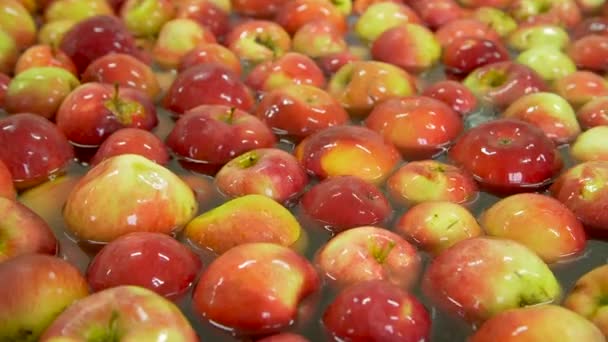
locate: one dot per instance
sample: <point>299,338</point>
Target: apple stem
<point>379,250</point>
<point>230,117</point>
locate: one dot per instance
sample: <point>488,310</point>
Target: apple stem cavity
<point>379,250</point>
<point>123,110</point>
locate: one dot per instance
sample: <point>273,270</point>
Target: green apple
<point>549,62</point>
<point>145,18</point>
<point>76,10</point>
<point>9,52</point>
<point>527,37</point>
<point>381,16</point>
<point>591,145</point>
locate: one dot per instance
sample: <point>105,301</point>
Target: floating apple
<point>52,32</point>
<point>132,141</point>
<point>46,286</point>
<point>18,23</point>
<point>294,14</point>
<point>284,337</point>
<point>255,288</point>
<point>397,315</point>
<point>319,38</point>
<point>532,324</point>
<point>7,189</point>
<point>361,203</point>
<point>267,171</point>
<point>151,260</point>
<point>246,219</point>
<point>146,197</point>
<point>382,16</point>
<point>4,81</point>
<point>549,62</point>
<point>591,145</point>
<point>528,36</point>
<point>213,14</point>
<point>9,53</point>
<point>585,298</point>
<point>76,10</point>
<point>465,28</point>
<point>255,41</point>
<point>341,150</point>
<point>435,226</point>
<point>454,94</point>
<point>501,21</point>
<point>594,113</point>
<point>211,53</point>
<point>539,222</point>
<point>42,55</point>
<point>177,37</point>
<point>146,18</point>
<point>123,313</point>
<point>581,87</point>
<point>481,277</point>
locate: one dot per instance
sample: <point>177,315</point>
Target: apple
<point>382,16</point>
<point>247,219</point>
<point>368,253</point>
<point>41,55</point>
<point>132,141</point>
<point>528,36</point>
<point>341,150</point>
<point>549,112</point>
<point>560,12</point>
<point>52,154</point>
<point>362,204</point>
<point>176,38</point>
<point>255,41</point>
<point>145,18</point>
<point>435,226</point>
<point>319,38</point>
<point>257,9</point>
<point>207,84</point>
<point>590,26</point>
<point>284,337</point>
<point>211,53</point>
<point>146,197</point>
<point>419,126</point>
<point>254,288</point>
<point>331,63</point>
<point>209,136</point>
<point>591,145</point>
<point>76,10</point>
<point>360,85</point>
<point>23,231</point>
<point>266,171</point>
<point>539,222</point>
<point>412,47</point>
<point>39,90</point>
<point>582,189</point>
<point>586,296</point>
<point>123,313</point>
<point>502,83</point>
<point>466,28</point>
<point>124,70</point>
<point>18,23</point>
<point>466,54</point>
<point>93,111</point>
<point>590,52</point>
<point>543,322</point>
<point>298,110</point>
<point>4,81</point>
<point>151,260</point>
<point>288,69</point>
<point>580,87</point>
<point>51,33</point>
<point>46,286</point>
<point>549,62</point>
<point>460,98</point>
<point>213,14</point>
<point>431,180</point>
<point>594,113</point>
<point>481,277</point>
<point>437,13</point>
<point>397,314</point>
<point>96,36</point>
<point>7,189</point>
<point>498,19</point>
<point>204,190</point>
<point>292,15</point>
<point>507,156</point>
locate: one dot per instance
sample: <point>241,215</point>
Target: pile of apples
<point>303,170</point>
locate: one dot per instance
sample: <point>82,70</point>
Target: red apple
<point>125,70</point>
<point>331,63</point>
<point>361,203</point>
<point>436,226</point>
<point>543,322</point>
<point>284,337</point>
<point>319,38</point>
<point>207,84</point>
<point>45,285</point>
<point>348,151</point>
<point>299,110</point>
<point>4,82</point>
<point>151,260</point>
<point>431,180</point>
<point>454,94</point>
<point>209,136</point>
<point>290,68</point>
<point>590,26</point>
<point>132,141</point>
<point>437,13</point>
<point>52,151</point>
<point>540,222</point>
<point>297,13</point>
<point>215,15</point>
<point>481,277</point>
<point>466,28</point>
<point>507,156</point>
<point>23,232</point>
<point>7,189</point>
<point>594,113</point>
<point>590,52</point>
<point>255,41</point>
<point>93,111</point>
<point>44,55</point>
<point>466,54</point>
<point>561,12</point>
<point>125,313</point>
<point>582,189</point>
<point>178,37</point>
<point>18,23</point>
<point>131,194</point>
<point>419,126</point>
<point>211,53</point>
<point>377,311</point>
<point>257,8</point>
<point>368,253</point>
<point>96,36</point>
<point>254,288</point>
<point>586,296</point>
<point>581,87</point>
<point>267,171</point>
